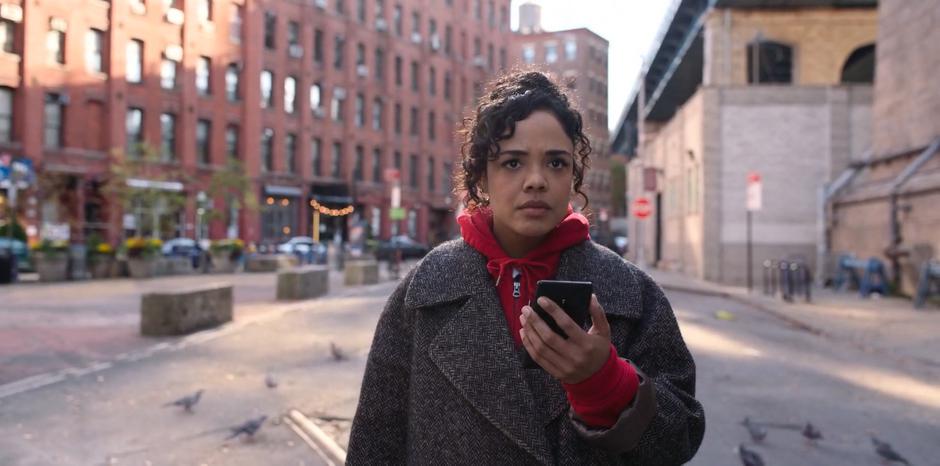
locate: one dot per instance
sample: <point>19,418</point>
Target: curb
<point>323,444</point>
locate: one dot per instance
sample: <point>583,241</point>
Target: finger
<point>564,322</point>
<point>538,327</point>
<point>600,325</point>
<point>540,354</point>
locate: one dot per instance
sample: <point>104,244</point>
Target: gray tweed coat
<point>444,383</point>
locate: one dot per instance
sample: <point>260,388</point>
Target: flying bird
<point>249,428</point>
<point>749,457</point>
<point>187,402</point>
<point>886,452</point>
<point>758,433</point>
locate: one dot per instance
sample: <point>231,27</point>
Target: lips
<point>540,205</point>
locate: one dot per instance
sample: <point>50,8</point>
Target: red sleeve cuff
<point>600,398</point>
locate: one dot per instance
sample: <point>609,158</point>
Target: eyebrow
<point>520,152</point>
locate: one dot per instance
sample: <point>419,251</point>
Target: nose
<point>535,179</point>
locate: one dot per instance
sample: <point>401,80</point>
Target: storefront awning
<point>286,191</point>
<point>138,183</point>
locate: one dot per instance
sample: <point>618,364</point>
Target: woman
<point>445,383</point>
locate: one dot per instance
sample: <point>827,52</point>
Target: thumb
<point>598,319</point>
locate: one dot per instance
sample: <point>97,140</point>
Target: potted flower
<point>142,255</point>
<point>51,260</point>
<point>226,254</point>
<point>100,260</point>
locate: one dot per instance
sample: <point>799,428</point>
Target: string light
<point>332,212</point>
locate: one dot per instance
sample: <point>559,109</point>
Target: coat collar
<point>455,271</point>
<point>519,402</point>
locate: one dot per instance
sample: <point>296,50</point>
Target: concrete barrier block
<point>269,262</point>
<point>185,311</point>
<point>361,272</point>
<point>303,283</point>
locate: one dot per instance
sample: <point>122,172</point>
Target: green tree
<point>234,186</point>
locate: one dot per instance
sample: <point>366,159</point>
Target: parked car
<point>308,251</point>
<point>409,248</point>
<point>184,247</point>
<point>621,244</point>
<point>20,250</point>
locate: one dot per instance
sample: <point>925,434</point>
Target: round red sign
<point>641,207</point>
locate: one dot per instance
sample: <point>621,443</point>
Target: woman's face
<point>529,182</point>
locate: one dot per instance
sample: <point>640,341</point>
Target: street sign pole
<point>752,204</point>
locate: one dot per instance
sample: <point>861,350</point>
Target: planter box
<point>102,267</point>
<point>224,264</point>
<point>303,283</point>
<point>269,262</point>
<point>52,267</point>
<point>142,268</point>
<point>181,312</point>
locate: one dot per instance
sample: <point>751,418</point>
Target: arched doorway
<point>859,68</point>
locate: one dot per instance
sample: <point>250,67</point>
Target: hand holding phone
<point>573,297</point>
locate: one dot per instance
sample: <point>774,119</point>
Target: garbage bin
<point>7,267</point>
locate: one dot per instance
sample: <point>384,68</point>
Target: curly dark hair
<point>510,98</point>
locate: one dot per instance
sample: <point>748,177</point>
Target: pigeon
<point>270,381</point>
<point>337,352</point>
<point>886,451</point>
<point>811,433</point>
<point>749,457</point>
<point>249,428</point>
<point>758,433</point>
<point>187,402</point>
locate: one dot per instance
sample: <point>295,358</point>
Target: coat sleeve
<point>664,424</point>
<point>380,427</point>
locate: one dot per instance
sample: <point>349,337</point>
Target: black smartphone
<point>573,297</point>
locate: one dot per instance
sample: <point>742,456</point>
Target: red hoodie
<point>600,398</point>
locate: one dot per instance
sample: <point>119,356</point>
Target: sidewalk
<point>889,326</point>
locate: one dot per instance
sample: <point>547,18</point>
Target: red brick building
<point>578,58</point>
<point>315,99</point>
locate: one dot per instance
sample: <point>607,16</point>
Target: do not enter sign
<point>641,207</point>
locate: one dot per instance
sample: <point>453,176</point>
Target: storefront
<point>280,211</point>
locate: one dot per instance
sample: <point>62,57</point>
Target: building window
<point>528,53</point>
<point>134,55</point>
<point>502,58</point>
<point>357,167</point>
<point>491,14</point>
<point>167,137</point>
<point>413,171</point>
<point>379,64</point>
<point>415,23</point>
<point>431,125</point>
<point>290,152</point>
<point>769,62</point>
<point>315,156</point>
<point>860,66</point>
<point>204,11</point>
<point>290,94</point>
<point>445,178</point>
<point>203,76</point>
<point>231,142</point>
<point>293,38</point>
<point>477,10</point>
<point>448,37</point>
<point>432,81</point>
<point>361,11</point>
<point>235,23</point>
<point>339,44</point>
<point>318,46</point>
<point>490,63</point>
<point>267,150</point>
<point>336,109</point>
<point>571,49</point>
<point>315,97</point>
<point>414,121</point>
<point>379,9</point>
<point>415,79</point>
<point>267,89</point>
<point>94,51</point>
<point>55,43</point>
<point>168,73</point>
<point>396,19</point>
<point>336,160</point>
<point>551,53</point>
<point>377,110</point>
<point>341,7</point>
<point>134,125</point>
<point>376,165</point>
<point>8,35</point>
<point>6,114</point>
<point>53,113</point>
<point>231,82</point>
<point>398,71</point>
<point>398,161</point>
<point>203,136</point>
<point>270,30</point>
<point>360,110</point>
<point>447,85</point>
<point>397,118</point>
<point>360,54</point>
<point>431,174</point>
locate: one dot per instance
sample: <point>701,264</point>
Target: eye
<point>511,164</point>
<point>558,163</point>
